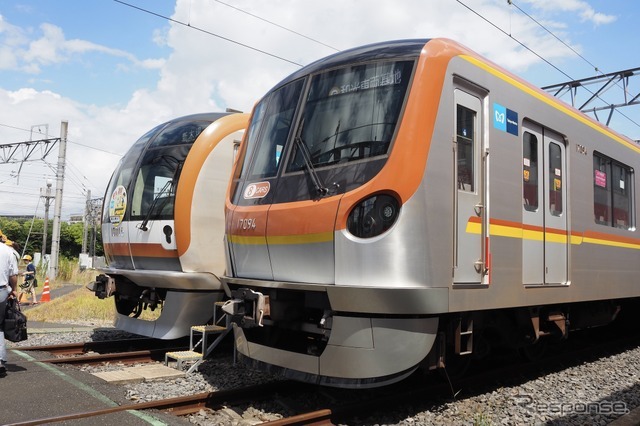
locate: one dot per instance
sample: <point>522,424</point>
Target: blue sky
<point>115,72</point>
<point>111,79</point>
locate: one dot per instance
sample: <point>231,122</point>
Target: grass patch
<point>78,305</point>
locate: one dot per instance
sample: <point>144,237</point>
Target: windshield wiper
<point>143,225</point>
<point>167,188</point>
<point>306,157</point>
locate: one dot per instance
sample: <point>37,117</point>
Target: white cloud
<point>579,7</point>
<point>17,52</point>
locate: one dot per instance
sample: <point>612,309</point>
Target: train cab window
<point>556,177</point>
<point>465,138</point>
<point>274,131</point>
<point>156,181</point>
<point>180,133</point>
<point>530,172</point>
<point>251,138</point>
<point>612,192</point>
<point>351,114</point>
<point>124,172</point>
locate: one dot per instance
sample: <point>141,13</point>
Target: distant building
<point>76,218</point>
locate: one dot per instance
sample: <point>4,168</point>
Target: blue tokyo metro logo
<point>504,119</point>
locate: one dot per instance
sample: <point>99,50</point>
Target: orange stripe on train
<point>139,250</point>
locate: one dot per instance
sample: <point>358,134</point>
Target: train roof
<point>376,51</point>
<point>210,116</point>
<point>412,48</point>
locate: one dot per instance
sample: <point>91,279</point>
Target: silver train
<point>410,204</point>
<point>163,224</point>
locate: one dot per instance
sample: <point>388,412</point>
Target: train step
<point>208,328</point>
<point>181,357</point>
<point>202,343</point>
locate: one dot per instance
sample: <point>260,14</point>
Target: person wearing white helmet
<point>29,282</point>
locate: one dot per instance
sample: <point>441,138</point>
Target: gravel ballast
<point>589,393</point>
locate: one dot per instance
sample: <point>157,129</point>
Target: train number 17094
<point>249,223</point>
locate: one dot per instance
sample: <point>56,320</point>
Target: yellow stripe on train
<point>539,235</point>
<point>321,237</point>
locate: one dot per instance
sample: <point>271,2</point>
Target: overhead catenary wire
<point>277,25</point>
<point>597,70</point>
<point>535,53</point>
<point>68,140</point>
<point>188,25</point>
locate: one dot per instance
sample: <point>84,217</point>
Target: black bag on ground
<point>15,322</point>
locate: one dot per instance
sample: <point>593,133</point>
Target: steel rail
<point>102,346</point>
<point>181,405</point>
<point>122,357</point>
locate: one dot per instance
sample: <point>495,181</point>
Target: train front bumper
<point>371,336</point>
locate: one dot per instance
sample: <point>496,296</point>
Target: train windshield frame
<point>351,113</point>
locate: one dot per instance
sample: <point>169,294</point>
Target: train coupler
<point>247,308</point>
<point>104,286</point>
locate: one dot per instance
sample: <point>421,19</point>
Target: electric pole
<point>55,237</point>
<point>46,194</point>
<point>87,217</point>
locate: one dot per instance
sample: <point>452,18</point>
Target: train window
<point>251,137</point>
<point>465,137</point>
<point>275,127</point>
<point>612,191</point>
<point>154,186</point>
<point>351,113</point>
<point>555,180</point>
<point>180,133</point>
<point>124,171</point>
<point>530,172</point>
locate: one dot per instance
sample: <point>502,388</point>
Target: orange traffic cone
<point>45,296</point>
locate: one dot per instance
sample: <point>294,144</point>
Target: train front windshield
<point>351,114</point>
<point>148,174</point>
<point>348,114</point>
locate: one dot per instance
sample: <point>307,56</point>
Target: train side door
<point>471,212</point>
<point>544,217</point>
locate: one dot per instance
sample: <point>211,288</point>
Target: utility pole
<point>46,194</point>
<point>87,216</point>
<point>55,237</point>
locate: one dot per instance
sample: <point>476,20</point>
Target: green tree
<point>71,239</point>
<point>30,237</point>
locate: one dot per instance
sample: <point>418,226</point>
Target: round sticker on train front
<point>117,205</point>
<point>256,190</point>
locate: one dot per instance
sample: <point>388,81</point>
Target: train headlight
<point>373,216</point>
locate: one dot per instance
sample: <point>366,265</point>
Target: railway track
<point>308,404</point>
<point>109,346</point>
<point>184,405</point>
<point>127,351</point>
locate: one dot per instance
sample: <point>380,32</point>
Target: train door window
<point>612,192</point>
<point>601,189</point>
<point>621,198</point>
<point>465,138</point>
<point>555,179</point>
<point>530,171</point>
